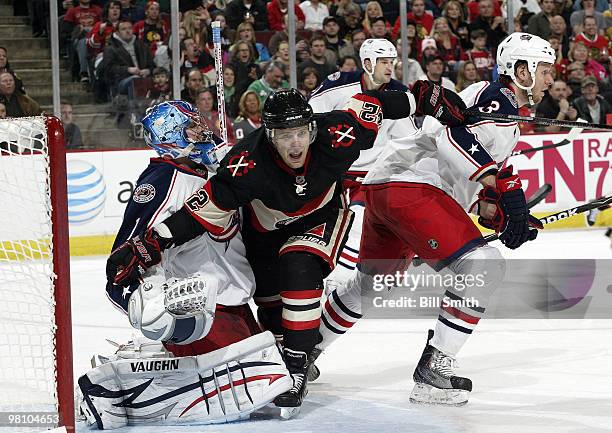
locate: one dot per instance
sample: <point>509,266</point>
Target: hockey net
<point>35,326</point>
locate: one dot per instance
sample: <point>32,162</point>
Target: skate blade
<point>289,412</point>
<point>313,373</point>
<point>427,394</point>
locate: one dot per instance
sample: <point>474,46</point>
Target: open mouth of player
<point>295,156</point>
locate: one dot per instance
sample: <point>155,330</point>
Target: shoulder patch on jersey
<point>144,193</point>
<point>240,164</point>
<point>334,76</point>
<point>510,95</point>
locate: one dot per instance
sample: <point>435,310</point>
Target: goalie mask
<point>175,129</point>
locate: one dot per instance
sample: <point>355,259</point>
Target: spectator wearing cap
<point>336,48</point>
<point>272,79</point>
<point>429,48</point>
<point>434,68</point>
<point>380,28</point>
<point>591,106</point>
<point>153,30</point>
<point>253,11</point>
<point>588,10</point>
<point>317,60</point>
<point>277,10</point>
<point>539,24</point>
<point>424,20</point>
<point>480,55</point>
<point>493,26</point>
<point>596,44</point>
<point>453,12</point>
<point>554,105</point>
<point>17,104</point>
<point>314,14</point>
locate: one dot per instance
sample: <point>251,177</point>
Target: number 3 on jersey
<point>493,106</point>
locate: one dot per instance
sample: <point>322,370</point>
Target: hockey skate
<point>313,371</point>
<point>290,402</point>
<point>435,381</point>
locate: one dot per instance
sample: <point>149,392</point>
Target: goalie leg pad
<point>221,386</point>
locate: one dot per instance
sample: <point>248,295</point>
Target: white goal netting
<point>27,305</point>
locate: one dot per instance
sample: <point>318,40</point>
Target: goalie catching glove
<point>128,262</point>
<point>512,219</point>
<point>436,101</point>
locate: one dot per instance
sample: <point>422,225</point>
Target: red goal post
<point>35,313</point>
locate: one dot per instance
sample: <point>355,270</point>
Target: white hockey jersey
<point>161,190</point>
<point>453,159</point>
<point>335,92</point>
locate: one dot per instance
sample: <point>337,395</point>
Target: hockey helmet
<point>529,48</point>
<point>374,49</point>
<point>287,108</point>
<point>165,130</point>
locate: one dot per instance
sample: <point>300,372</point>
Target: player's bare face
<point>544,79</point>
<point>383,70</point>
<point>292,145</point>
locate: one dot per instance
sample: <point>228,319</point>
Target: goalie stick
<point>534,199</point>
<point>216,35</point>
<point>537,120</point>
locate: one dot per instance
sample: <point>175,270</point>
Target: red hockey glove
<point>130,260</point>
<point>436,101</point>
<point>512,219</point>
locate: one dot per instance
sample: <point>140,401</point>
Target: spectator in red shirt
<point>595,43</point>
<point>277,9</point>
<point>580,53</point>
<point>103,30</point>
<point>480,55</point>
<point>153,30</point>
<point>493,25</point>
<point>474,12</point>
<point>78,21</point>
<point>423,19</point>
<point>448,44</point>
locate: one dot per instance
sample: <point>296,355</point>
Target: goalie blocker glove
<point>512,219</point>
<point>128,262</point>
<point>434,100</point>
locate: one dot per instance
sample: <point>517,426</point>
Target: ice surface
<point>544,376</point>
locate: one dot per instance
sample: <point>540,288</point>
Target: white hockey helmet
<point>523,46</point>
<point>375,49</point>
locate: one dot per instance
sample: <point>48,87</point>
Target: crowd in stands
<point>121,49</point>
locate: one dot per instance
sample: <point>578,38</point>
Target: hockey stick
<point>537,120</point>
<point>561,215</point>
<point>574,132</point>
<point>216,36</point>
<point>534,199</point>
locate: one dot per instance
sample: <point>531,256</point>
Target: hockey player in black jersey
<point>287,177</point>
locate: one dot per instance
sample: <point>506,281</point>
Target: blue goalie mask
<point>174,129</point>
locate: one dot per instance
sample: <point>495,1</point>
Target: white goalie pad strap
<point>225,385</point>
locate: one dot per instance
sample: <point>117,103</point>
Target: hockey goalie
<point>204,359</point>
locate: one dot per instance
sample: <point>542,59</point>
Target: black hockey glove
<point>436,101</point>
<point>512,219</point>
<point>128,262</point>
